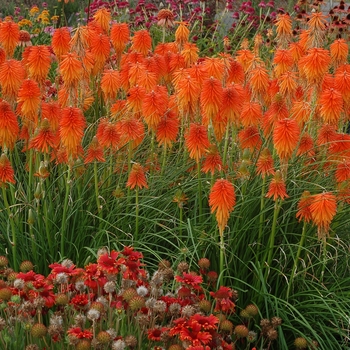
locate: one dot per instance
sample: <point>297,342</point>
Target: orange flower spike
<point>137,177</point>
<point>251,113</point>
<point>315,65</point>
<point>211,97</point>
<point>39,62</point>
<point>136,73</point>
<point>304,212</point>
<point>135,98</point>
<point>141,42</point>
<point>80,40</point>
<point>283,29</point>
<point>9,128</point>
<point>12,75</point>
<point>301,111</point>
<point>235,73</point>
<point>71,131</point>
<point>29,97</point>
<point>326,135</point>
<point>277,187</point>
<point>288,84</point>
<point>7,174</point>
<point>245,59</point>
<point>339,50</point>
<point>61,42</point>
<point>167,129</point>
<point>108,134</point>
<point>323,209</point>
<point>103,18</point>
<point>2,56</point>
<point>148,80</point>
<point>286,136</point>
<point>296,51</point>
<point>154,106</point>
<point>196,140</point>
<point>120,35</point>
<point>317,29</point>
<point>331,106</point>
<point>100,50</point>
<point>258,81</point>
<point>110,84</point>
<point>264,164</point>
<point>45,139</point>
<point>198,72</point>
<point>9,37</point>
<point>342,81</point>
<point>232,102</point>
<point>212,161</point>
<point>306,146</point>
<point>71,69</point>
<point>94,152</point>
<point>283,61</point>
<point>132,130</point>
<point>342,172</point>
<point>222,200</point>
<point>52,112</point>
<point>215,67</point>
<point>182,34</point>
<point>190,54</point>
<point>188,93</point>
<point>250,138</point>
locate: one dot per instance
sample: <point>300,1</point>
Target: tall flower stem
<point>164,159</point>
<point>261,216</point>
<point>65,207</point>
<point>224,158</point>
<point>324,256</point>
<point>136,233</point>
<point>273,233</point>
<point>222,253</point>
<point>97,195</point>
<point>296,260</point>
<point>13,231</point>
<point>200,206</point>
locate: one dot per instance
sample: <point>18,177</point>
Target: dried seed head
<point>67,263</point>
<point>252,337</point>
<point>252,310</point>
<point>130,341</point>
<point>109,287</point>
<point>300,343</point>
<point>80,286</point>
<point>276,321</point>
<point>80,320</point>
<point>2,324</point>
<point>56,320</point>
<point>5,294</point>
<point>3,261</point>
<point>62,278</point>
<point>174,309</point>
<point>205,305</point>
<point>112,333</point>
<point>163,264</point>
<point>38,330</point>
<point>96,305</point>
<point>272,334</point>
<point>61,299</point>
<point>149,303</point>
<point>32,347</point>
<point>136,303</point>
<point>19,283</point>
<point>129,294</point>
<point>39,302</point>
<point>188,311</point>
<point>175,347</point>
<point>226,326</point>
<point>241,331</point>
<point>182,267</point>
<point>168,274</point>
<point>159,306</point>
<point>83,344</point>
<point>142,291</point>
<point>26,266</point>
<point>103,337</point>
<point>93,314</point>
<point>204,263</point>
<point>119,345</point>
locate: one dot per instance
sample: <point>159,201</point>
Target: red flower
<point>277,188</point>
<point>6,171</point>
<point>109,263</point>
<point>156,333</point>
<point>80,301</point>
<point>137,177</point>
<point>207,322</point>
<point>189,279</point>
<point>197,141</point>
<point>223,299</point>
<point>78,333</point>
<point>94,152</point>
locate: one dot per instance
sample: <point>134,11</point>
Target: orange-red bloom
<point>181,34</point>
<point>7,175</point>
<point>211,97</point>
<point>323,209</point>
<point>285,137</point>
<point>232,102</point>
<point>283,29</point>
<point>120,35</point>
<point>165,18</point>
<point>258,81</point>
<point>9,37</point>
<point>71,129</point>
<point>197,141</point>
<point>108,134</point>
<point>29,96</point>
<point>212,161</point>
<point>100,50</point>
<point>331,106</point>
<point>142,42</point>
<point>277,188</point>
<point>283,61</point>
<point>9,128</point>
<point>45,138</point>
<point>132,130</point>
<point>103,18</point>
<point>110,84</point>
<point>304,212</point>
<point>264,164</point>
<point>61,42</point>
<point>339,52</point>
<point>249,137</point>
<point>71,69</point>
<point>94,152</point>
<point>52,112</point>
<point>190,53</point>
<point>343,171</point>
<point>251,113</point>
<point>188,92</point>
<point>167,129</point>
<point>222,199</point>
<point>12,74</point>
<point>137,177</point>
<point>39,62</point>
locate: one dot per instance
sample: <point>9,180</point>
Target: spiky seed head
<point>5,294</point>
<point>83,344</point>
<point>26,266</point>
<point>3,261</point>
<point>300,343</point>
<point>103,337</point>
<point>204,263</point>
<point>241,331</point>
<point>205,305</point>
<point>226,326</point>
<point>252,310</point>
<point>38,330</point>
<point>61,299</point>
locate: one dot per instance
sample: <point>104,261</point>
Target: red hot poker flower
<point>197,141</point>
<point>137,177</point>
<point>6,171</point>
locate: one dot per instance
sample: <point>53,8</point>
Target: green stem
<point>222,252</point>
<point>273,234</point>
<point>14,238</point>
<point>261,216</point>
<point>324,255</point>
<point>136,215</point>
<point>65,207</point>
<point>164,159</point>
<point>98,203</point>
<point>296,260</point>
<point>200,208</point>
<point>181,219</point>
<point>47,229</point>
<point>226,145</point>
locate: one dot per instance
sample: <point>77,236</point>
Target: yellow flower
<point>33,10</point>
<point>55,18</point>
